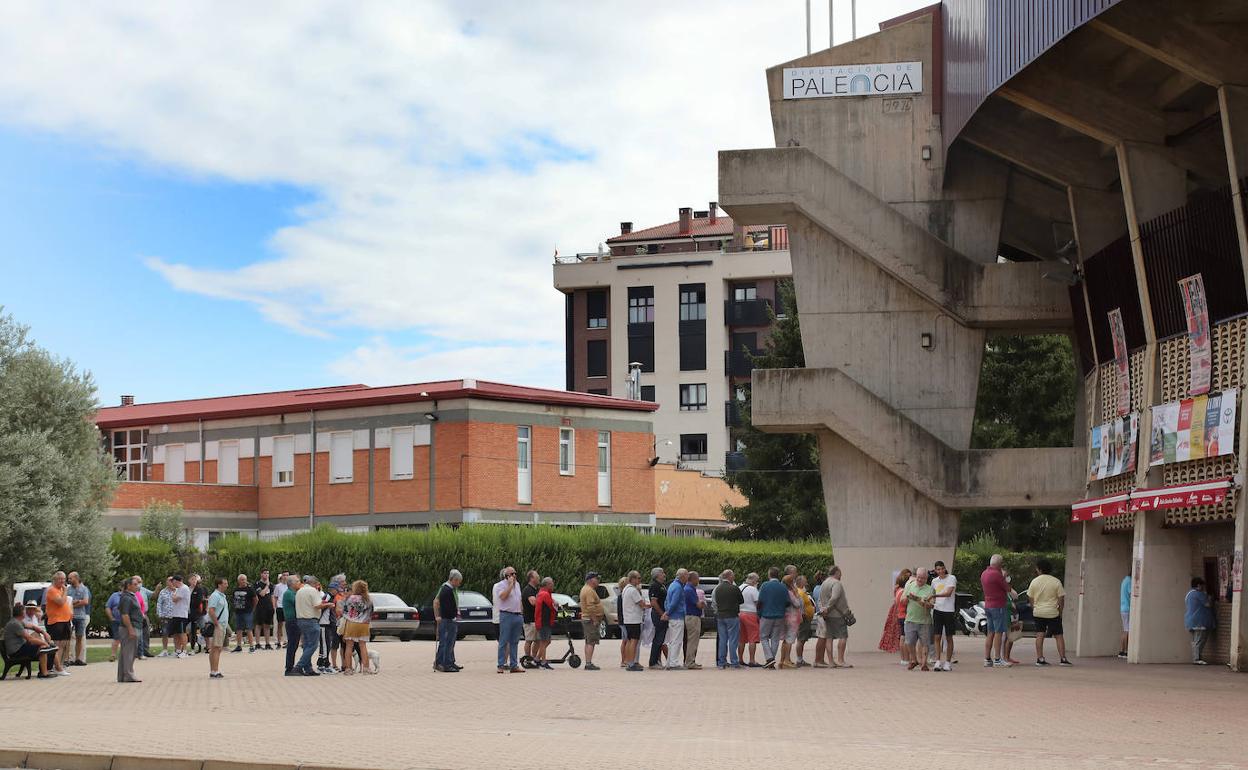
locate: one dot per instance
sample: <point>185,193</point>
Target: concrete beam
<point>793,185</point>
<point>813,400</point>
<point>1169,32</point>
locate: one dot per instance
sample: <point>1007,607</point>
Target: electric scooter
<point>570,657</point>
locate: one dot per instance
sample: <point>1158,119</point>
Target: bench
<point>22,664</point>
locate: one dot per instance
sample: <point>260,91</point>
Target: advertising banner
<point>1193,428</point>
<point>1121,363</point>
<point>1087,510</point>
<point>1199,343</point>
<point>1113,447</point>
<point>1180,496</point>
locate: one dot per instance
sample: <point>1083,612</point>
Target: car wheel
<point>491,636</point>
<point>372,637</point>
<point>406,637</point>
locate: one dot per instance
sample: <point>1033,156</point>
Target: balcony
<point>732,414</point>
<point>739,363</point>
<point>747,312</point>
<point>734,461</point>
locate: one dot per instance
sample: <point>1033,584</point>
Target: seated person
<point>24,643</point>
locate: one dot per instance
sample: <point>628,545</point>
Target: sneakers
<point>694,666</point>
<point>1041,662</point>
<point>165,654</point>
<point>216,675</point>
<point>771,663</point>
<point>544,664</point>
<point>62,672</point>
<point>677,667</point>
<point>634,667</point>
<point>998,663</point>
<point>253,649</point>
<point>821,665</point>
<point>1065,662</point>
<point>987,662</point>
<point>269,647</point>
<point>181,655</point>
<point>591,667</point>
<point>1199,663</point>
<point>802,664</point>
<point>237,649</point>
<point>948,666</point>
<point>1122,655</point>
<point>938,667</point>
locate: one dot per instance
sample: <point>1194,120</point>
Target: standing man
<point>80,597</point>
<point>944,618</point>
<point>695,604</point>
<point>727,621</point>
<point>1048,599</point>
<point>446,613</point>
<point>181,613</point>
<point>674,617</point>
<point>528,600</point>
<point>60,619</point>
<point>308,606</point>
<point>544,614</point>
<point>279,609</point>
<point>632,615</point>
<point>263,619</point>
<point>199,608</point>
<point>992,581</point>
<point>658,600</point>
<point>245,613</point>
<point>218,607</point>
<point>111,609</point>
<point>773,601</point>
<point>293,637</point>
<point>144,595</point>
<point>1198,619</point>
<point>164,612</point>
<point>509,605</point>
<point>131,631</point>
<point>592,613</point>
<point>832,626</point>
<point>749,621</point>
<point>1124,608</point>
<point>920,598</point>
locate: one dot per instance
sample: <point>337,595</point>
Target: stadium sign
<point>854,80</point>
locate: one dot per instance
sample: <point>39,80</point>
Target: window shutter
<point>401,458</point>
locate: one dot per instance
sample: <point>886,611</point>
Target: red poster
<point>1199,344</point>
<point>1119,336</point>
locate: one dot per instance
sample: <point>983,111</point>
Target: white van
<point>24,592</point>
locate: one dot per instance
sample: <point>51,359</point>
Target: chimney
<point>626,228</point>
<point>686,220</point>
<point>713,209</point>
<point>127,400</point>
<point>738,236</point>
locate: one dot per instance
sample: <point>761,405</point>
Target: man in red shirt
<point>992,580</point>
<point>544,617</point>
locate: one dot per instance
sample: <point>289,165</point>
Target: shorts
<point>805,630</point>
<point>530,632</point>
<point>944,623</point>
<point>60,631</point>
<point>749,628</point>
<point>918,632</point>
<point>80,626</point>
<point>831,628</point>
<point>244,621</point>
<point>590,627</point>
<point>114,630</point>
<point>281,615</point>
<point>27,652</point>
<point>175,626</point>
<point>543,634</point>
<point>1126,622</point>
<point>632,630</point>
<point>1049,626</point>
<point>998,620</point>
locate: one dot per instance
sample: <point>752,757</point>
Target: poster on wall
<point>1224,575</point>
<point>1237,571</point>
<point>1113,447</point>
<point>1199,345</point>
<point>1121,363</point>
<point>1193,428</point>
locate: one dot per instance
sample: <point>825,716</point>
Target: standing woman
<point>619,616</point>
<point>890,641</point>
<point>358,609</point>
<point>792,621</point>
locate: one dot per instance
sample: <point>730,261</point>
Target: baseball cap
<point>591,575</point>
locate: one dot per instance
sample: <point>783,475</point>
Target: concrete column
<point>1161,565</point>
<point>879,524</point>
<point>1105,559</point>
<point>1233,101</point>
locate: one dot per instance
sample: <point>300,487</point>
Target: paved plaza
<point>1101,713</point>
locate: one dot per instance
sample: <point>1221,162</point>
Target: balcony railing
<point>735,461</point>
<point>747,312</point>
<point>739,363</point>
<point>732,414</point>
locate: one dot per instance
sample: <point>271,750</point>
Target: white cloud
<point>380,362</point>
<point>452,146</point>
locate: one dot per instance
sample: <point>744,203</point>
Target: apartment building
<point>687,300</point>
<point>362,458</point>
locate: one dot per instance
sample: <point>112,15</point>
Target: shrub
<point>152,560</point>
<point>969,563</point>
<point>413,563</point>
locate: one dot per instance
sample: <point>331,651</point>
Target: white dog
<point>374,659</point>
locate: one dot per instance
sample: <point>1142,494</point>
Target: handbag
<point>849,618</point>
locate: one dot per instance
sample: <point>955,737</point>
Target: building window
<point>130,454</point>
<point>692,447</point>
<point>524,473</point>
<point>596,358</point>
<point>744,291</point>
<point>402,458</point>
<point>604,468</point>
<point>693,398</point>
<point>341,457</point>
<point>641,350</point>
<point>641,305</point>
<point>597,391</point>
<point>227,462</point>
<point>284,461</point>
<point>693,302</point>
<point>693,351</point>
<point>596,309</point>
<point>647,393</point>
<point>175,463</point>
<point>567,452</point>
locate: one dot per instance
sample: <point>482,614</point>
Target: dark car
<point>476,617</point>
<point>1022,605</point>
<point>570,620</point>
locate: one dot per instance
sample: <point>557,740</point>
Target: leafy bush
<point>971,561</point>
<point>413,563</point>
<point>152,560</point>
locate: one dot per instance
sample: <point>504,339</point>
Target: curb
<point>62,760</point>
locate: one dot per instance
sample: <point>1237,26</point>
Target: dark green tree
<point>781,479</point>
<point>1026,399</point>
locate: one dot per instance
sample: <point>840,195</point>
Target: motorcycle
<point>973,619</point>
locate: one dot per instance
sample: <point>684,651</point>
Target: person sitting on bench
<point>22,643</point>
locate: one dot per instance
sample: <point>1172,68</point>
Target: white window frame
<point>335,458</point>
<point>400,471</point>
<point>278,480</point>
<point>181,474</point>
<point>237,450</point>
<point>567,461</point>
<point>129,468</point>
<point>524,464</point>
<point>604,469</point>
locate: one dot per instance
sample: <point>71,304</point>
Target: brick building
<point>403,456</point>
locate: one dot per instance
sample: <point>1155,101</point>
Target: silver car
<point>393,617</point>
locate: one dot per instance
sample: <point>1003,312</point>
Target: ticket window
<point>1211,578</point>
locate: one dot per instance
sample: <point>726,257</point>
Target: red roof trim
<point>701,227</point>
<point>348,396</point>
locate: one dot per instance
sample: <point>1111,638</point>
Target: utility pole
<point>808,27</point>
<point>831,26</point>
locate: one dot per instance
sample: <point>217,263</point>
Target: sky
<point>201,199</point>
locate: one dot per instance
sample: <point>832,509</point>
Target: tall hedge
<point>153,560</point>
<point>1021,567</point>
<point>414,563</point>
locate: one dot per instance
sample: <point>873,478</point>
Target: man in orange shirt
<point>60,619</point>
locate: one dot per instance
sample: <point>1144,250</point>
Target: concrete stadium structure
<point>1042,165</point>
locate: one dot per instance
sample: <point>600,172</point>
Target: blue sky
<point>293,194</point>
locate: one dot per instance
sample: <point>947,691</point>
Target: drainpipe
<point>312,474</point>
<point>201,451</point>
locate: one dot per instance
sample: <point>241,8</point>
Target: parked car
<point>476,616</point>
<point>393,617</point>
<point>572,624</point>
<point>1023,605</point>
<point>24,592</point>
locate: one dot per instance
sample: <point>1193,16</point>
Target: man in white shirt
<point>180,615</point>
<point>509,615</point>
<point>634,608</point>
<point>749,621</point>
<point>944,616</point>
<point>280,588</point>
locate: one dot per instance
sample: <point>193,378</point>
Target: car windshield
<point>472,599</point>
<point>386,600</point>
<point>564,600</point>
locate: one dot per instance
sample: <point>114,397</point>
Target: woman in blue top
<point>1199,619</point>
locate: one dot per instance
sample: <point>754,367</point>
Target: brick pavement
<point>1102,713</point>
